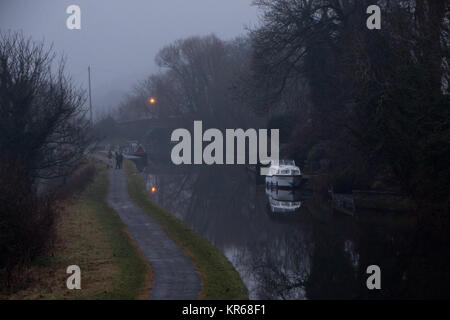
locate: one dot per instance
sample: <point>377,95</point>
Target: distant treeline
<point>367,108</point>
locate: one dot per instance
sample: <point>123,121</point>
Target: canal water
<point>286,244</point>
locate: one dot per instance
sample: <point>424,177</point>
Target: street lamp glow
<point>152,100</point>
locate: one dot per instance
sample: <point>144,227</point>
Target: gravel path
<point>175,276</point>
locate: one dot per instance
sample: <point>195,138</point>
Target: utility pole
<point>90,99</point>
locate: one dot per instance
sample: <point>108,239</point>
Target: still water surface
<point>285,244</point>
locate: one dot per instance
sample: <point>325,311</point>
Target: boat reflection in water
<point>283,200</point>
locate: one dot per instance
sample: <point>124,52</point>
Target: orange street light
<point>152,100</point>
<point>153,189</point>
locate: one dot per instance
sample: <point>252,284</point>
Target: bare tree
<point>197,80</point>
<point>43,127</point>
<point>43,134</point>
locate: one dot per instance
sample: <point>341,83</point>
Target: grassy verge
<point>220,279</point>
<point>92,236</point>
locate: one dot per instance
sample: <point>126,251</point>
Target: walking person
<point>110,160</point>
<point>117,160</point>
<point>120,160</point>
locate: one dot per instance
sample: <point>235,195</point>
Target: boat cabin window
<point>285,162</point>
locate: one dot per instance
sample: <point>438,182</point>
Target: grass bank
<point>220,279</point>
<point>91,235</point>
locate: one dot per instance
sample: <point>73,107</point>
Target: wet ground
<point>174,274</point>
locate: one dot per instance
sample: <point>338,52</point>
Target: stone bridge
<point>138,129</point>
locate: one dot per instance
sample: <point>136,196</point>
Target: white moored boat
<point>283,174</point>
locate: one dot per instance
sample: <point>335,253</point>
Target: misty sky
<point>120,38</point>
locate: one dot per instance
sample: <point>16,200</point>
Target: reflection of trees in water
<point>333,262</point>
<point>221,206</point>
<point>278,268</point>
<point>216,202</point>
<point>345,247</point>
<point>174,192</point>
<point>318,255</point>
<point>327,259</point>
